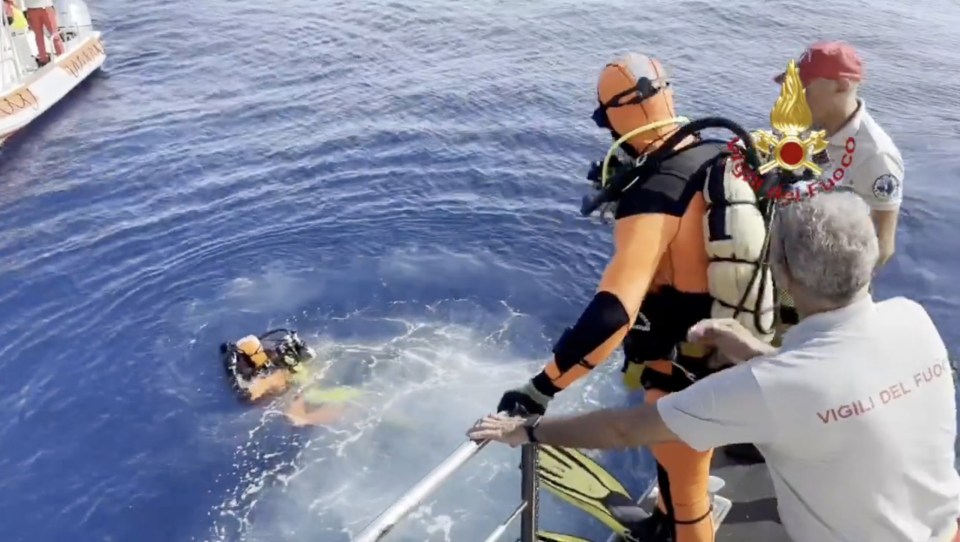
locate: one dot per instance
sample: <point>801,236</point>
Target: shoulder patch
<point>886,187</point>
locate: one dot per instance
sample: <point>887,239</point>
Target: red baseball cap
<point>833,60</point>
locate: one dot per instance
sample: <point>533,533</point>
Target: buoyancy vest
<point>726,277</point>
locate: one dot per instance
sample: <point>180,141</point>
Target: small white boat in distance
<point>27,90</point>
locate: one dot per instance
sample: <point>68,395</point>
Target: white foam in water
<point>424,387</point>
<point>275,290</point>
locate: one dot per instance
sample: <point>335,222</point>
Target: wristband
<point>529,428</point>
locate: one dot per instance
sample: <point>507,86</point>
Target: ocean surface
<point>400,182</point>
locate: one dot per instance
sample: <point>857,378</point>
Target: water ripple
<point>400,181</point>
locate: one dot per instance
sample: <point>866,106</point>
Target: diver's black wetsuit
<point>681,299</point>
<point>245,366</point>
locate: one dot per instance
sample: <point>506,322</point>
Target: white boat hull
<point>21,105</point>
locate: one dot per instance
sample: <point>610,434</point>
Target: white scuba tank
<point>734,262</point>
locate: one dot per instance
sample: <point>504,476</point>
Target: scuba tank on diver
<point>615,175</point>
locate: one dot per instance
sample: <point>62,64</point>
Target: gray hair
<point>826,244</point>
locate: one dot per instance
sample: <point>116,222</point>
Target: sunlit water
<point>399,182</point>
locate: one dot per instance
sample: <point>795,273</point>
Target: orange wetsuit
<point>659,275</point>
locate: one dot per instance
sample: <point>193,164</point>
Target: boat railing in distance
<point>414,497</point>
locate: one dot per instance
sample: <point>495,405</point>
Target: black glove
<point>526,400</point>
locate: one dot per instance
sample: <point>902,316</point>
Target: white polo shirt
<point>864,159</point>
<point>856,418</point>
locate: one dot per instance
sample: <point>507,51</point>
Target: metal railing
<point>414,497</point>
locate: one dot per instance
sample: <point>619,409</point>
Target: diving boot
<point>654,528</point>
<point>629,514</point>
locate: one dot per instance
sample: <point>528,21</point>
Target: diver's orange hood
<point>614,87</point>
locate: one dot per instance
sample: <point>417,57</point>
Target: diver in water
<point>271,364</point>
<point>690,243</point>
<point>262,366</point>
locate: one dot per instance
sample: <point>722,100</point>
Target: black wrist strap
<point>530,428</point>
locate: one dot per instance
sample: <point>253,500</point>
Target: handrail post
<point>528,493</point>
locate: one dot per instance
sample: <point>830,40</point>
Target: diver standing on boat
<point>41,16</point>
<point>689,241</point>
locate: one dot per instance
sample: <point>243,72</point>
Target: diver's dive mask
<point>647,86</point>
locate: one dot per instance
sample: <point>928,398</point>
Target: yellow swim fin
<point>301,376</point>
<point>578,480</point>
<point>543,536</point>
<point>341,394</point>
<point>631,377</point>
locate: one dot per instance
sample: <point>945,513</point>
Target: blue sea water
<point>400,182</point>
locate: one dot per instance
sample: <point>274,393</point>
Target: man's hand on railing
<point>501,428</point>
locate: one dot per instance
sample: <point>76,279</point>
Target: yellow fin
<point>544,536</point>
<point>341,394</point>
<point>582,482</point>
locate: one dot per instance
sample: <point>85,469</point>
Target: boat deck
<point>753,517</point>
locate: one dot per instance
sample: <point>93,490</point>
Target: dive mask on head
<point>648,85</point>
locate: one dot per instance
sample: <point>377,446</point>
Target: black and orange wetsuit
<point>660,267</point>
<point>664,277</point>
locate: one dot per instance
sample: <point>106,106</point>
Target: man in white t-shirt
<point>863,156</point>
<point>855,413</point>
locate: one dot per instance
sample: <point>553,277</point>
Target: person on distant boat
<point>689,239</point>
<point>12,13</point>
<point>855,412</point>
<point>15,18</point>
<point>42,16</point>
<point>271,364</point>
<point>864,157</point>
